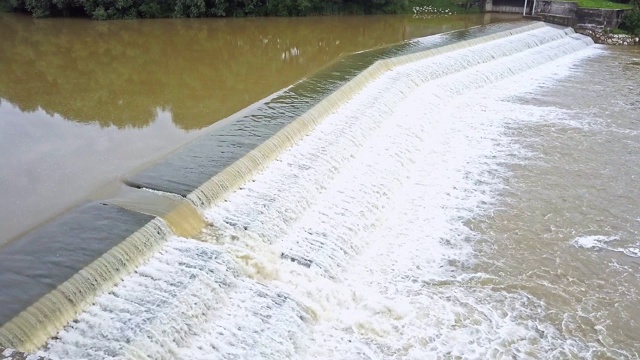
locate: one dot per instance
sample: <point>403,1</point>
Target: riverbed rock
<point>602,37</point>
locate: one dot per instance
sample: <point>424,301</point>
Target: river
<point>83,104</point>
<point>480,201</point>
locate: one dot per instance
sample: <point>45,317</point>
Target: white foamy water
<point>592,241</point>
<point>354,243</point>
<point>605,243</point>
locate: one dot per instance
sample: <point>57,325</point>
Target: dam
<point>458,196</point>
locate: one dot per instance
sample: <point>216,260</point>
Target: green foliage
<point>5,6</point>
<point>99,14</point>
<point>619,32</point>
<point>150,9</point>
<point>631,22</point>
<point>16,5</point>
<point>131,9</point>
<point>39,8</point>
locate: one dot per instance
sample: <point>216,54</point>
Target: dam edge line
<point>208,194</point>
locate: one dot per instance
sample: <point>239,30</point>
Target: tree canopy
<point>132,9</point>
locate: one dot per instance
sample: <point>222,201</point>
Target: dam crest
<point>293,205</point>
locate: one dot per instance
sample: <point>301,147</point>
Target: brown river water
<point>83,104</point>
<point>499,224</point>
<point>567,229</point>
<point>478,203</point>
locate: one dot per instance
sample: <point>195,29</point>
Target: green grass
<point>601,4</point>
<point>619,32</point>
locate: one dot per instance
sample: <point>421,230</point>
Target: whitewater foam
<point>605,243</point>
<point>354,243</point>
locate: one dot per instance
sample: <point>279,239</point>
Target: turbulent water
<point>486,212</point>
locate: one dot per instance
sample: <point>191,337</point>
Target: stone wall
<point>610,39</point>
<point>557,19</point>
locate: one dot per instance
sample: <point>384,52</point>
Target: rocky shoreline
<point>601,37</point>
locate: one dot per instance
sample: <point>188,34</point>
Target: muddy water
<point>490,213</point>
<point>83,104</point>
<point>566,231</point>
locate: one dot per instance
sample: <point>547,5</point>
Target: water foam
<point>604,243</point>
<point>353,243</point>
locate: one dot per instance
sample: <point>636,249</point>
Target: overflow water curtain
<point>300,179</point>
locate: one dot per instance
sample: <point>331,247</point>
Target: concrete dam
<point>325,221</point>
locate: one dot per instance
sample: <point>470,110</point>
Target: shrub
<point>39,8</point>
<point>130,9</point>
<point>631,21</point>
<point>5,6</point>
<point>619,32</point>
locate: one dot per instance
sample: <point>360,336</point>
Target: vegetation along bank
<point>133,9</point>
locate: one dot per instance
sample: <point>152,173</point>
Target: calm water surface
<point>83,104</point>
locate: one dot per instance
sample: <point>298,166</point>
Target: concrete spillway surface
<point>41,265</point>
<point>259,135</point>
<point>344,227</point>
<point>195,164</point>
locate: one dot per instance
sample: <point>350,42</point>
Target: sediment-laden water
<point>84,104</point>
<point>477,204</point>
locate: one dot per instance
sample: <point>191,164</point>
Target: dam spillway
<point>333,224</point>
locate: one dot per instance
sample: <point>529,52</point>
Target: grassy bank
<point>601,4</point>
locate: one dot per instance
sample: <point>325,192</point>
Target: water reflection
<point>84,103</point>
<point>118,73</point>
<point>48,164</point>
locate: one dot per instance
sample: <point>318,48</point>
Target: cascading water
<point>354,242</point>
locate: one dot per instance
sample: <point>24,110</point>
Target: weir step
<point>198,162</point>
<point>57,270</point>
<point>48,275</point>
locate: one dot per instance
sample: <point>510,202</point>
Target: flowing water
<point>476,203</point>
<point>83,103</point>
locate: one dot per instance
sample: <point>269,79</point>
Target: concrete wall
<point>598,19</point>
<point>558,8</point>
<point>507,9</point>
<point>488,5</point>
<point>506,6</point>
<point>569,14</point>
<point>557,19</point>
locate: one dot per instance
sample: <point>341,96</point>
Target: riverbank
<point>455,197</point>
<point>149,9</point>
<point>601,24</point>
